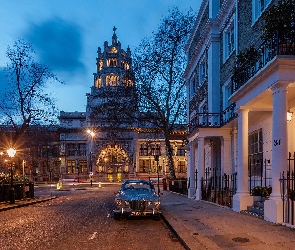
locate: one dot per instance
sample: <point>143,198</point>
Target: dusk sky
<point>66,33</point>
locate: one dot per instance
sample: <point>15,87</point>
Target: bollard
<point>99,184</point>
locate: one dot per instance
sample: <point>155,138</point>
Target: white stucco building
<point>238,123</point>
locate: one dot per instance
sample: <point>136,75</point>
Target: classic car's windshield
<point>137,185</point>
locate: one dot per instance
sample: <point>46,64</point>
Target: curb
<point>25,204</point>
<point>175,233</point>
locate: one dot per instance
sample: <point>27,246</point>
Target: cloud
<point>57,43</point>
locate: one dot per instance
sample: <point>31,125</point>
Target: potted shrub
<point>263,192</point>
<point>246,58</point>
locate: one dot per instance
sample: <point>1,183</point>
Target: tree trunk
<point>170,158</point>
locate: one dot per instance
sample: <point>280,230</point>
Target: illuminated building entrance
<point>113,161</point>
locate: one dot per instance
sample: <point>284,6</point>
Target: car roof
<point>137,181</point>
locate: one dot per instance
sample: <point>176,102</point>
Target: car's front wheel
<point>117,216</point>
<point>157,217</point>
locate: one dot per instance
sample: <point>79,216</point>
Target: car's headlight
<point>157,204</point>
<point>118,202</point>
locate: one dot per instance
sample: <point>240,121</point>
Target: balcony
<point>268,50</point>
<point>212,120</point>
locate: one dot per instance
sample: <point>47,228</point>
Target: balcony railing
<point>212,120</point>
<point>267,51</point>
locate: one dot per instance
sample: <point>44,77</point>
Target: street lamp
<point>156,156</point>
<point>11,153</point>
<point>92,136</point>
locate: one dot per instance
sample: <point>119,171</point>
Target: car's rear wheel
<point>117,216</point>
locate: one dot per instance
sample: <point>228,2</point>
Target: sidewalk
<point>202,225</point>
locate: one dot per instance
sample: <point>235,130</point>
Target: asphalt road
<point>80,219</point>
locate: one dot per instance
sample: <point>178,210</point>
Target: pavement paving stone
<point>204,225</point>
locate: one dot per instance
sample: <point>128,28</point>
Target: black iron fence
<point>20,192</point>
<point>179,186</point>
<point>212,120</point>
<point>217,187</point>
<point>278,45</point>
<point>287,181</point>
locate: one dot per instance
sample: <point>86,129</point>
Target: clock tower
<point>110,111</point>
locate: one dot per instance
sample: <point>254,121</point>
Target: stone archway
<point>113,162</point>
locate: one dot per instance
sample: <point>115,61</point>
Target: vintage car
<point>137,198</point>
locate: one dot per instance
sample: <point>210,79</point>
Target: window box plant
<point>279,22</point>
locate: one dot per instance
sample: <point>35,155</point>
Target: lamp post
<point>11,153</point>
<point>156,156</point>
<point>92,134</point>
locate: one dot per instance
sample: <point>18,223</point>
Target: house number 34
<point>277,142</point>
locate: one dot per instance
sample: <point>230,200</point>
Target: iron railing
<point>287,182</point>
<point>217,187</point>
<point>212,120</point>
<point>278,45</point>
<point>179,186</point>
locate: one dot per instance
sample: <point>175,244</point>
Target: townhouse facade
<point>237,113</point>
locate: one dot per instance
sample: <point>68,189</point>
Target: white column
<point>200,167</point>
<point>242,198</point>
<point>279,137</point>
<point>273,208</point>
<point>234,141</point>
<point>242,178</point>
<point>192,174</point>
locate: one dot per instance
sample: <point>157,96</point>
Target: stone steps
<point>256,210</point>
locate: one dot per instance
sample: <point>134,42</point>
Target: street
<point>80,218</point>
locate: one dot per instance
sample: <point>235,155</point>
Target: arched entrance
<point>113,161</point>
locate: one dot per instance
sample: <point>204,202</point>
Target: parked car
<point>137,198</point>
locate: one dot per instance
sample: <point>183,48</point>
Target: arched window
<point>112,62</point>
<point>98,82</point>
<point>112,80</point>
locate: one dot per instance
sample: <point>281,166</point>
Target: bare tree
<point>159,63</point>
<point>24,101</point>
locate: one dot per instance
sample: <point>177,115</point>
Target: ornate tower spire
<point>114,37</point>
<point>113,89</point>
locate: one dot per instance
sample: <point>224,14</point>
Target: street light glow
<point>11,152</point>
<point>91,132</point>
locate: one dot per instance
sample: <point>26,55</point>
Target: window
<point>255,141</point>
<point>98,82</point>
<point>71,166</point>
<point>143,150</point>
<point>71,149</point>
<point>82,149</point>
<point>83,166</point>
<point>203,70</point>
<point>229,40</point>
<point>144,166</point>
<point>112,62</point>
<point>258,6</point>
<point>181,167</point>
<point>112,80</point>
